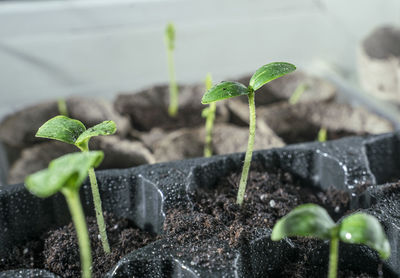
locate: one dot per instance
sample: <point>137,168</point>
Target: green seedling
<point>229,89</point>
<point>298,92</point>
<point>66,175</point>
<point>311,220</point>
<point>62,107</point>
<point>209,114</point>
<point>322,134</point>
<point>173,87</point>
<point>73,132</point>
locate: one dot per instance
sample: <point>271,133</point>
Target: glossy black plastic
<point>144,194</point>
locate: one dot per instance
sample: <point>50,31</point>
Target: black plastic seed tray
<point>144,194</point>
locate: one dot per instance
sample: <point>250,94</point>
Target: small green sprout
<point>229,89</point>
<point>173,87</point>
<point>322,134</point>
<point>66,175</point>
<point>298,92</point>
<point>62,107</point>
<point>73,132</point>
<point>311,220</point>
<point>209,114</point>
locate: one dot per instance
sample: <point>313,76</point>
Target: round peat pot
<point>379,63</point>
<point>182,201</point>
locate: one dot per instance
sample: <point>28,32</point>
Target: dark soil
<point>215,223</point>
<point>304,266</point>
<point>149,108</point>
<point>26,256</point>
<point>58,250</point>
<point>383,43</point>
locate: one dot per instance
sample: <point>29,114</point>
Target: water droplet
<point>337,209</point>
<point>272,203</point>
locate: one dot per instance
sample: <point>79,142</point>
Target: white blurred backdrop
<point>50,49</point>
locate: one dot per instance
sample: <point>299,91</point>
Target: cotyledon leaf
<point>61,128</point>
<point>270,72</point>
<point>46,183</point>
<point>68,170</point>
<point>305,220</point>
<point>224,90</point>
<point>365,229</point>
<point>73,132</point>
<point>104,128</point>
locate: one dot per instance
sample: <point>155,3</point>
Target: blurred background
<point>50,49</point>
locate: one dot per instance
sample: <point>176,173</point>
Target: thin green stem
<point>173,87</point>
<point>62,107</point>
<point>97,203</point>
<point>209,129</point>
<point>322,134</point>
<point>333,257</point>
<point>300,89</point>
<point>249,151</point>
<point>78,218</point>
<point>99,211</point>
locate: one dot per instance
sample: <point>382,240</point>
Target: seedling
<point>229,89</point>
<point>322,134</point>
<point>173,87</point>
<point>73,132</point>
<point>298,92</point>
<point>209,114</point>
<point>62,107</point>
<point>311,220</point>
<point>66,175</point>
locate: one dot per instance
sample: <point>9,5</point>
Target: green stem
<point>78,218</point>
<point>84,147</point>
<point>209,128</point>
<point>250,145</point>
<point>62,107</point>
<point>300,89</point>
<point>333,257</point>
<point>99,211</point>
<point>173,87</point>
<point>322,135</point>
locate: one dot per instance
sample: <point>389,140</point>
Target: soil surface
<point>148,108</point>
<point>301,122</point>
<point>304,267</point>
<point>383,43</point>
<point>214,225</point>
<point>58,250</point>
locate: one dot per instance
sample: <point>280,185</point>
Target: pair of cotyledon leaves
<point>72,131</point>
<point>69,170</point>
<point>313,221</point>
<point>263,75</point>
